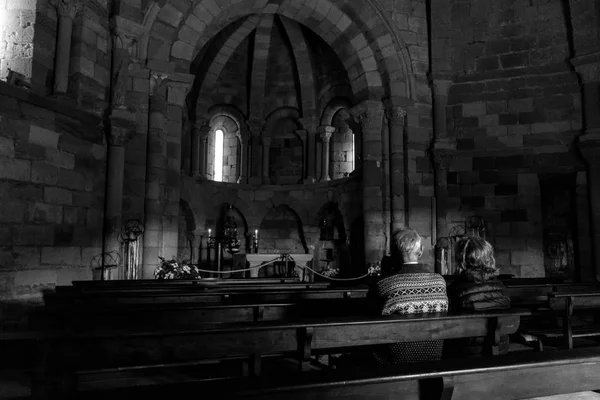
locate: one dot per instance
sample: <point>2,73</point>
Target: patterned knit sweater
<point>412,290</point>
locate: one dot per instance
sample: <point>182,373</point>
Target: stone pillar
<point>302,134</point>
<point>155,174</point>
<point>325,133</point>
<point>310,151</point>
<point>122,128</point>
<point>588,68</point>
<point>65,11</point>
<point>255,126</point>
<point>196,151</point>
<point>396,117</point>
<point>370,116</point>
<point>176,96</point>
<point>244,158</point>
<point>203,135</point>
<point>266,141</point>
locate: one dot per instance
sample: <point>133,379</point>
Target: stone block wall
<point>17,28</point>
<point>341,154</point>
<point>514,109</point>
<point>90,64</point>
<point>52,166</point>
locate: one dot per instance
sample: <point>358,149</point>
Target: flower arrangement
<point>374,268</point>
<point>330,272</point>
<point>171,269</point>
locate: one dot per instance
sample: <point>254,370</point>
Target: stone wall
<point>514,108</point>
<point>260,207</point>
<point>52,166</point>
<point>17,26</point>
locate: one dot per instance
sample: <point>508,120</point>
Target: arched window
<point>218,162</point>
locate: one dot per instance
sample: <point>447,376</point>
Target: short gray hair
<point>408,242</point>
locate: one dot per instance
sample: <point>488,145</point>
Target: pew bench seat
<point>518,375</point>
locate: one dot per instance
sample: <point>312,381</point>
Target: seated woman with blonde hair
<point>477,287</point>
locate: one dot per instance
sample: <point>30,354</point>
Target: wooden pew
<point>207,297</point>
<point>515,376</point>
<point>109,351</point>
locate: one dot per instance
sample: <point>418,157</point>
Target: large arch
<point>284,112</point>
<point>332,108</point>
<point>343,32</point>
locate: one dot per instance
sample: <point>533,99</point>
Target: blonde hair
<point>475,259</point>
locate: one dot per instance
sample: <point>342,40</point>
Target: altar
<point>260,261</point>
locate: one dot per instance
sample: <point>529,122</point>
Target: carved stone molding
<point>177,93</point>
<point>120,135</point>
<point>440,87</point>
<point>589,147</point>
<point>588,67</point>
<point>255,125</point>
<point>442,158</point>
<point>157,79</point>
<point>67,8</point>
<point>325,132</point>
<point>396,115</point>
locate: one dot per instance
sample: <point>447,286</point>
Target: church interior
<point>204,190</point>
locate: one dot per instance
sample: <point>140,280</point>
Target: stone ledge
<point>86,119</point>
<point>514,72</point>
<point>247,186</point>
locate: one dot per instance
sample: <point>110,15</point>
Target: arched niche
<point>281,231</point>
<point>342,146</point>
<point>331,250</point>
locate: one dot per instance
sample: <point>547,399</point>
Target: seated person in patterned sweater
<point>409,288</point>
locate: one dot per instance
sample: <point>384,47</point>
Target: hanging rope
<point>334,279</point>
<point>239,270</point>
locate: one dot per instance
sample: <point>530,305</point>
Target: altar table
<point>301,261</point>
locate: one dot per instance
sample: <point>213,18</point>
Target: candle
<point>443,265</point>
<point>209,232</point>
<point>256,233</point>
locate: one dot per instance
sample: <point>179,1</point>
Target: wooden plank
<point>514,376</point>
<point>118,347</point>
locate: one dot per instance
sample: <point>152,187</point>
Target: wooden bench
<point>563,305</point>
<point>110,352</point>
<point>206,297</point>
<point>515,376</point>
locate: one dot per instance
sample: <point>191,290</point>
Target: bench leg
<point>448,389</point>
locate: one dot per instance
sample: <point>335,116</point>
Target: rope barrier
<point>281,258</point>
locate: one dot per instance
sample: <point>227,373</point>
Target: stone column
<point>155,174</point>
<point>176,96</point>
<point>310,151</point>
<point>370,116</point>
<point>396,117</point>
<point>203,135</point>
<point>196,151</point>
<point>266,141</point>
<point>302,134</point>
<point>122,128</point>
<point>325,133</point>
<point>255,126</point>
<point>244,158</point>
<point>65,11</point>
<point>588,68</point>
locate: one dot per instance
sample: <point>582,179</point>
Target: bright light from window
<point>219,155</point>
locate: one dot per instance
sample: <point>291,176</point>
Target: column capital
<point>67,8</point>
<point>266,141</point>
<point>325,128</point>
<point>255,125</point>
<point>156,80</point>
<point>177,92</point>
<point>326,134</point>
<point>589,146</point>
<point>396,115</point>
<point>443,153</point>
<point>588,67</point>
<point>307,123</point>
<point>441,86</point>
<point>121,128</point>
